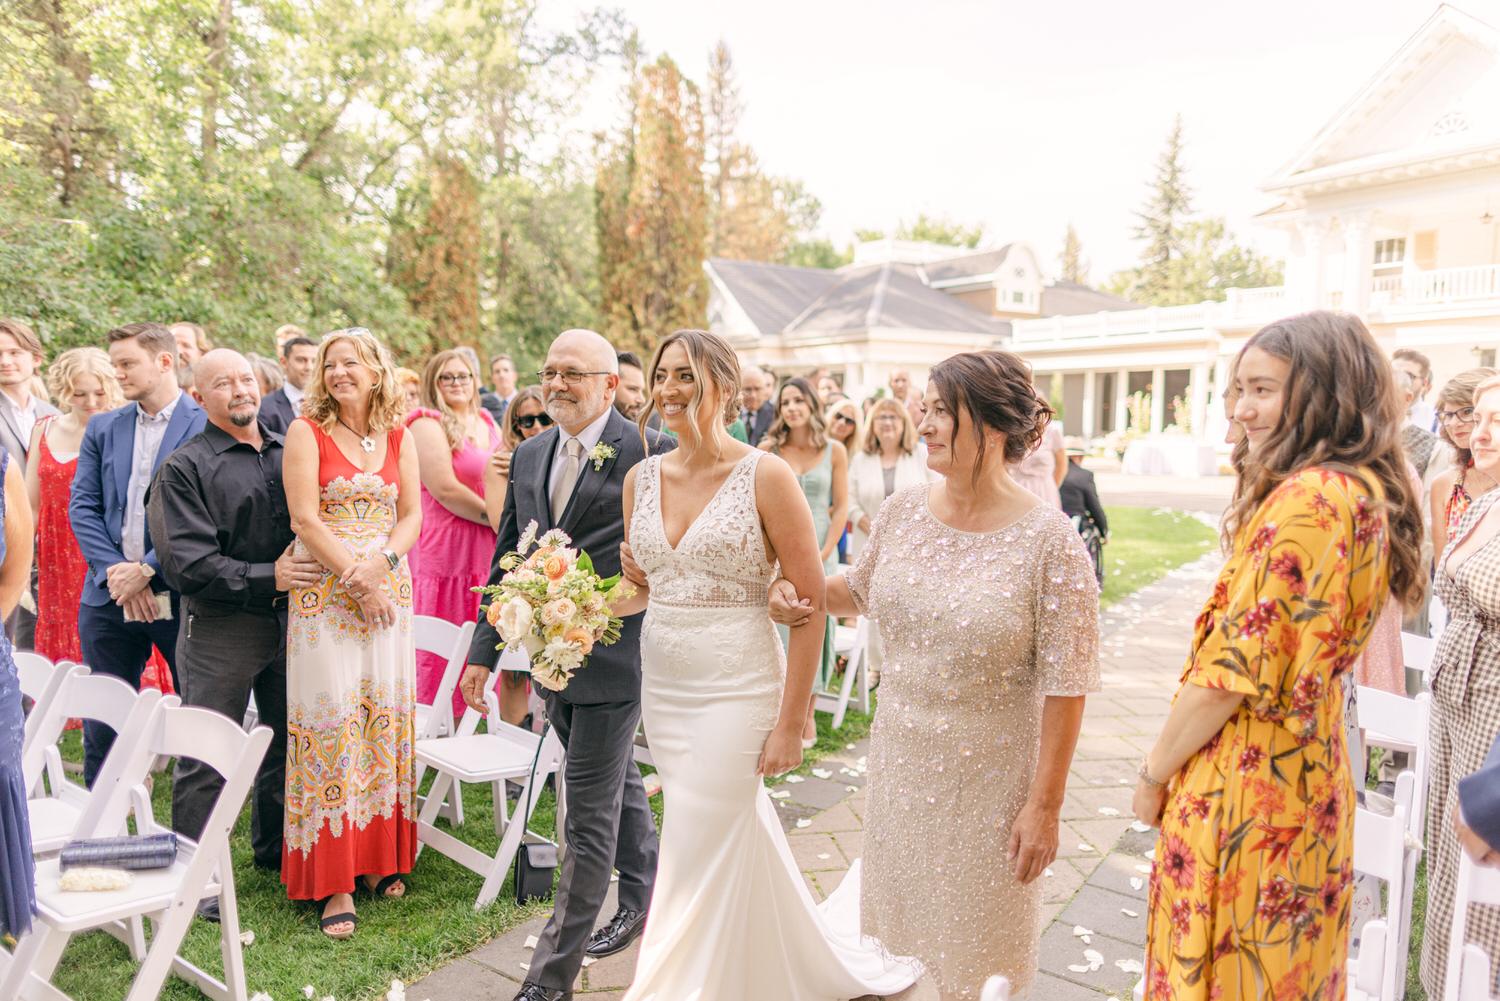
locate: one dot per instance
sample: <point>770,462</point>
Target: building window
<point>1017,297</point>
<point>1487,358</point>
<point>1390,251</point>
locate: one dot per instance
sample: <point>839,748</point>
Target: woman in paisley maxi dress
<point>352,490</point>
<point>1249,781</point>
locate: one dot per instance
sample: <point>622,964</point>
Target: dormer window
<point>1390,251</point>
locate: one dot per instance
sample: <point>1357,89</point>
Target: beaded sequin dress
<point>978,629</point>
<point>730,917</point>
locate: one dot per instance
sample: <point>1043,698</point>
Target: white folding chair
<point>504,752</point>
<point>1417,653</point>
<point>103,698</point>
<point>40,680</point>
<point>853,642</point>
<point>1376,972</point>
<point>437,636</point>
<point>1468,976</point>
<point>168,896</point>
<point>997,988</point>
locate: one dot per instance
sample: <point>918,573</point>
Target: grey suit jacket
<point>10,427</point>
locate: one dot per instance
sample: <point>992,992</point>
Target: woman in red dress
<point>82,381</point>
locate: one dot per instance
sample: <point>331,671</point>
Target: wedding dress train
<point>731,918</point>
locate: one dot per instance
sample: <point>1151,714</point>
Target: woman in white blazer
<point>893,457</point>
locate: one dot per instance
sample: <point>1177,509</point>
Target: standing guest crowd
<point>269,527</point>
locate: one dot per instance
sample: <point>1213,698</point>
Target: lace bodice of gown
<point>720,561</point>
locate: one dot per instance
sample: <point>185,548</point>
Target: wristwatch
<point>391,557</point>
<point>1146,777</point>
<point>147,570</point>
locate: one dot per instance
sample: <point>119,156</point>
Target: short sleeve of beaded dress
<point>978,628</point>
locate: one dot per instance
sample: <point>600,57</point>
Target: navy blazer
<point>1479,798</point>
<point>277,412</point>
<point>595,520</point>
<point>100,485</point>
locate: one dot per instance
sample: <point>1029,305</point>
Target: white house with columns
<point>1393,214</point>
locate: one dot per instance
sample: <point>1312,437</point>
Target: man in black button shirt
<point>218,515</point>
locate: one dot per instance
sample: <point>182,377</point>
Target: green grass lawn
<point>1145,544</point>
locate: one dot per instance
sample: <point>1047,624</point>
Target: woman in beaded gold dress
<point>353,492</point>
<point>1249,780</point>
<point>989,614</point>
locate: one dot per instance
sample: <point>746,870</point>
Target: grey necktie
<point>564,489</point>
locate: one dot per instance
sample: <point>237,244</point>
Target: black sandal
<point>385,884</point>
<point>326,922</point>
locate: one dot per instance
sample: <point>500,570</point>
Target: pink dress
<point>452,556</point>
<point>1038,471</point>
<point>1382,665</point>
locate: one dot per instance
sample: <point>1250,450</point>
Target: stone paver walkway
<point>1093,883</point>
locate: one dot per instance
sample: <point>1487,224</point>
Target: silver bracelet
<point>1146,777</point>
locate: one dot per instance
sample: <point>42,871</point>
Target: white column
<point>1122,399</point>
<point>1359,263</point>
<point>1305,278</point>
<point>1158,400</point>
<point>1199,398</point>
<point>1215,425</point>
<point>1088,425</point>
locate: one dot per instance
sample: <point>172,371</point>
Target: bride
<point>707,524</point>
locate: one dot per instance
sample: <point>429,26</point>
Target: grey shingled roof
<point>1063,298</point>
<point>772,294</point>
<point>892,295</point>
<point>980,265</point>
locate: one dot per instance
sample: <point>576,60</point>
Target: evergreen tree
<point>1074,267</point>
<point>652,207</point>
<point>436,260</point>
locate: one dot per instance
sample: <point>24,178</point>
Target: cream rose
<point>515,619</point>
<point>558,610</point>
<point>546,676</point>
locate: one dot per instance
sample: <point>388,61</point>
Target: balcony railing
<point>1439,286</point>
<point>1241,307</point>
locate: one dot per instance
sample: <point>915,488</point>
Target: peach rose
<point>582,637</point>
<point>492,612</point>
<point>558,610</point>
<point>555,567</point>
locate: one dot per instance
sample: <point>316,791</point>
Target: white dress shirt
<point>294,394</point>
<point>149,432</point>
<point>25,418</point>
<point>588,438</point>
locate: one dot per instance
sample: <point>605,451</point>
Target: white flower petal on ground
<point>824,855</point>
<point>804,822</point>
<point>781,794</point>
<point>307,991</point>
<point>1079,931</point>
<point>1137,882</point>
<point>1151,854</point>
<point>851,788</point>
<point>822,773</point>
<point>261,996</point>
<point>589,961</point>
<point>1048,872</point>
<point>530,942</point>
<point>1143,868</point>
<point>794,779</point>
<point>850,747</point>
<point>1130,965</point>
<point>1085,848</point>
<point>1129,913</point>
<point>247,938</point>
<point>1139,827</point>
<point>1108,811</point>
<point>1078,969</point>
<point>397,991</point>
<point>1095,958</point>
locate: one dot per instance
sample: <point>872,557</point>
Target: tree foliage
<point>652,210</point>
<point>1184,260</point>
<point>930,229</point>
<point>435,257</point>
<point>1074,267</point>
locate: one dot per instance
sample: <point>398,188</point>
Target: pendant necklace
<point>366,442</point>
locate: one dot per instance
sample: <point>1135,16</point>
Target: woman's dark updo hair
<point>994,388</point>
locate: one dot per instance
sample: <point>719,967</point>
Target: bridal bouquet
<point>553,606</point>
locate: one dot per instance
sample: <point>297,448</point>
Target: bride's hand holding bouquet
<point>552,606</point>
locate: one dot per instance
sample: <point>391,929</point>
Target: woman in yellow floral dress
<point>1250,782</point>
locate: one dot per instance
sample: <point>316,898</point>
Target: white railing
<point>1443,285</point>
<point>1241,307</point>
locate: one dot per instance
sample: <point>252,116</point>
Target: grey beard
<point>243,420</point>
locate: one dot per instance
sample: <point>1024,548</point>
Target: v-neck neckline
<point>661,508</point>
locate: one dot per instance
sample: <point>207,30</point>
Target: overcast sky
<point>1025,116</point>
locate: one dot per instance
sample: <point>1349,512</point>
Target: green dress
<point>817,487</point>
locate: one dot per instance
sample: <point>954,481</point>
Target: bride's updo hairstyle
<point>1342,413</point>
<point>994,388</point>
<point>714,364</point>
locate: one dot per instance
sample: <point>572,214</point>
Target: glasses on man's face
<point>887,419</point>
<point>455,379</point>
<point>531,420</point>
<point>571,377</point>
<point>1464,415</point>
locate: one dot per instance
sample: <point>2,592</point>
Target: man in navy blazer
<point>126,609</point>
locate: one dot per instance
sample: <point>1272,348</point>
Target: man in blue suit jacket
<point>126,609</point>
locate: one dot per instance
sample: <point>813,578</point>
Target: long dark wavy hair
<point>1342,413</point>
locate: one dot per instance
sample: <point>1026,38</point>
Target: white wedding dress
<point>730,917</point>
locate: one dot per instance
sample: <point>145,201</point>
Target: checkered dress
<point>1465,722</point>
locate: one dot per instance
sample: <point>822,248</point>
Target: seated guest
<point>503,377</point>
<point>192,343</point>
<point>217,513</point>
<point>268,374</point>
<point>83,381</point>
<point>284,405</point>
<point>126,609</point>
<point>411,388</point>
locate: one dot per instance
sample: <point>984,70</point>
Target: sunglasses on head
<point>531,420</point>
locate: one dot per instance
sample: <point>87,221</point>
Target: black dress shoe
<point>208,909</point>
<point>617,935</point>
<point>536,992</point>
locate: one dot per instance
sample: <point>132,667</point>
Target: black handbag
<point>536,858</point>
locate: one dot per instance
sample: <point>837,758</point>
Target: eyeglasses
<point>570,377</point>
<point>1462,416</point>
<point>843,417</point>
<point>531,420</point>
<point>459,379</point>
<point>887,419</point>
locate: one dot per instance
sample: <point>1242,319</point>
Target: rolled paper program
<point>154,851</point>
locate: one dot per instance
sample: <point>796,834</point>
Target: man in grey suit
<point>757,387</point>
<point>558,479</point>
<point>21,355</point>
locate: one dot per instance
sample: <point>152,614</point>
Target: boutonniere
<point>599,453</point>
